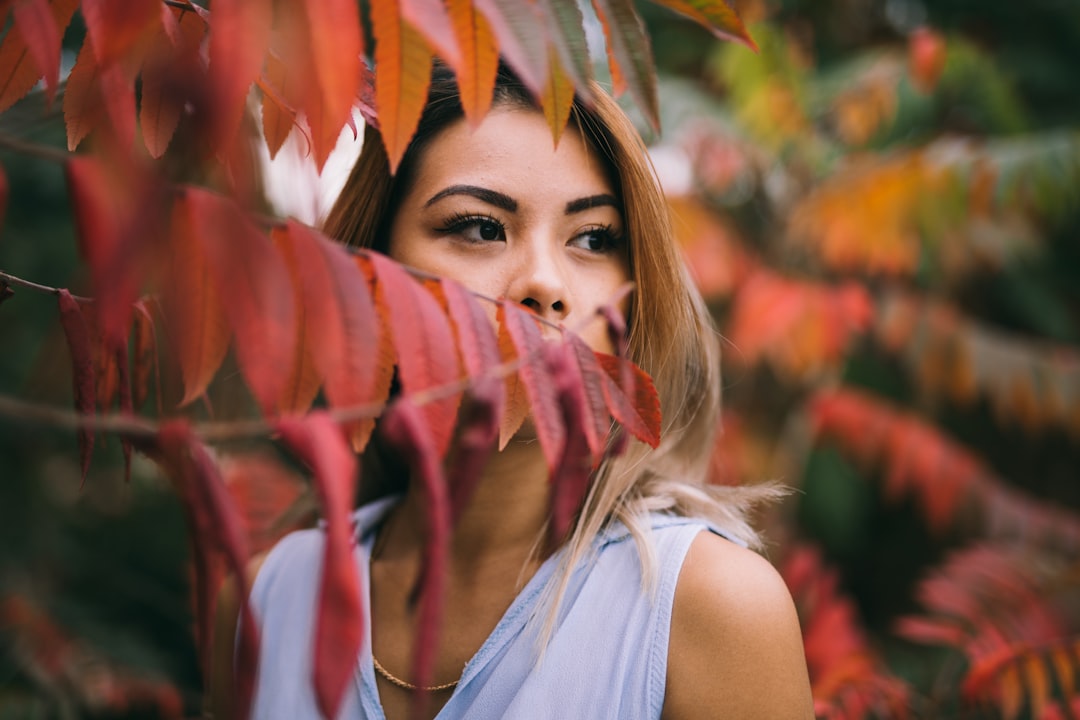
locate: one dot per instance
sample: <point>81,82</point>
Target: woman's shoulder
<point>736,647</point>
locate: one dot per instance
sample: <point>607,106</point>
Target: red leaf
<point>570,481</point>
<point>83,108</point>
<point>250,276</point>
<point>19,68</point>
<point>195,319</point>
<point>239,36</point>
<point>597,424</point>
<point>118,218</point>
<point>406,426</point>
<point>639,411</point>
<point>478,435</point>
<point>118,94</point>
<point>715,15</point>
<point>539,385</point>
<point>144,340</point>
<point>171,65</point>
<point>403,74</point>
<point>35,22</point>
<point>336,48</point>
<point>82,366</point>
<point>123,372</point>
<point>423,344</point>
<point>215,522</point>
<point>475,335</point>
<point>480,58</point>
<point>318,441</point>
<point>341,325</point>
<point>278,118</point>
<point>120,29</point>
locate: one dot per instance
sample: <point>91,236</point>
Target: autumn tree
<point>882,208</point>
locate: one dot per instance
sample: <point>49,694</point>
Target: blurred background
<point>882,208</point>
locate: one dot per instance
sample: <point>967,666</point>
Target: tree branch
<point>45,152</point>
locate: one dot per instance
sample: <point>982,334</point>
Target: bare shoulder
<point>736,648</point>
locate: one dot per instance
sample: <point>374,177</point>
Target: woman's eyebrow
<point>499,200</point>
<point>585,203</point>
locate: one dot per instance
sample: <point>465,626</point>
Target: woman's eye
<point>476,229</point>
<point>596,240</point>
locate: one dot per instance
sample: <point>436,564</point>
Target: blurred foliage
<point>893,189</point>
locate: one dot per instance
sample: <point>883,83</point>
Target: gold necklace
<point>376,550</point>
<point>408,685</point>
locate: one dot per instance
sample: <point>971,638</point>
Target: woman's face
<point>504,212</point>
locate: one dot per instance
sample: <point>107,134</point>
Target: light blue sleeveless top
<point>607,657</point>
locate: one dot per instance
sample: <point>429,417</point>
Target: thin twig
<point>25,147</point>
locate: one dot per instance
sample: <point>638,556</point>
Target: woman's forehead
<point>514,148</point>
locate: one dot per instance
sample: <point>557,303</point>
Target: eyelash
<point>459,223</point>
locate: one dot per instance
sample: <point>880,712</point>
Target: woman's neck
<point>503,519</point>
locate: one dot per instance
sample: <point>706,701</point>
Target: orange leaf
<point>1065,670</point>
<point>557,96</point>
<point>480,58</point>
<point>423,343</point>
<point>716,15</point>
<point>195,318</point>
<point>1038,683</point>
<point>83,108</point>
<point>171,62</point>
<point>402,77</point>
<point>239,36</point>
<point>19,68</point>
<point>250,276</point>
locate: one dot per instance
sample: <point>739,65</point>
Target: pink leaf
<point>34,19</point>
<point>570,481</point>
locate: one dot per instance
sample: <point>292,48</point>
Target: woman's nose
<point>540,283</point>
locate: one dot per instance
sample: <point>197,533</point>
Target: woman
<point>641,612</point>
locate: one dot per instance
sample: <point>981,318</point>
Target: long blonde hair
<point>672,336</point>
